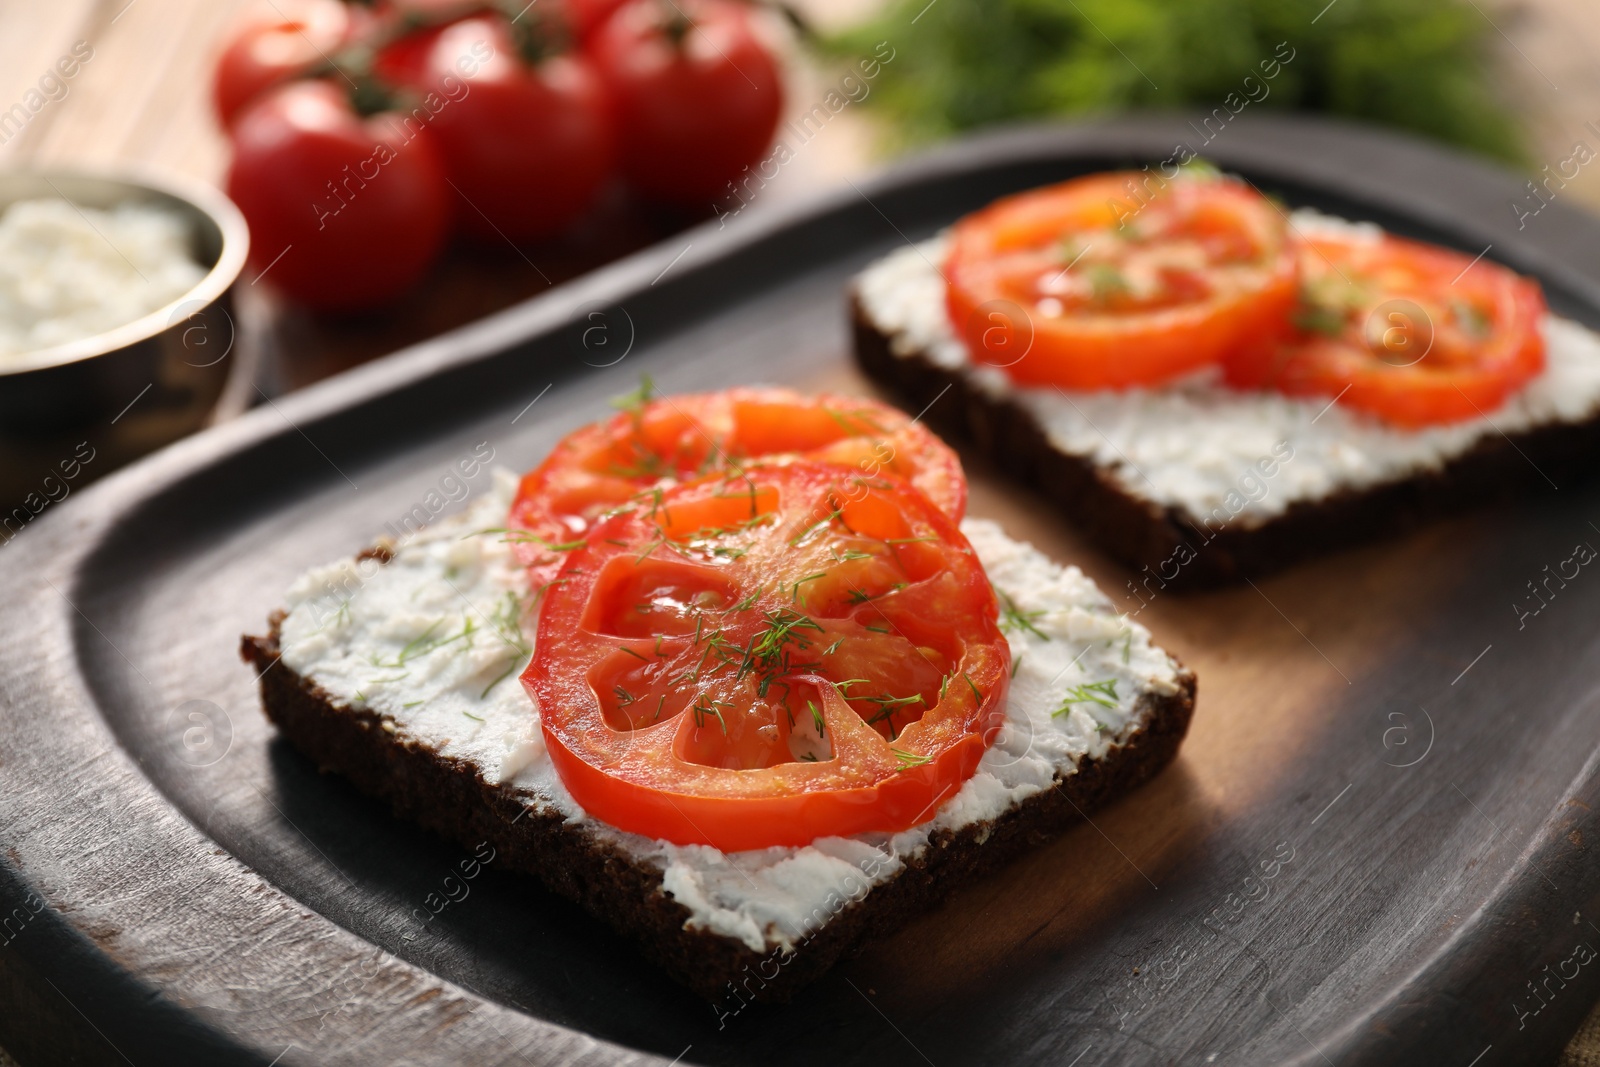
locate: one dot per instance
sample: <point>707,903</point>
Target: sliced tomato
<point>1412,333</point>
<point>1119,279</point>
<point>768,656</point>
<point>656,442</point>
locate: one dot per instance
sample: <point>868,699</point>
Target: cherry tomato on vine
<point>345,212</point>
<point>275,42</point>
<point>587,16</point>
<point>698,95</point>
<point>768,656</point>
<point>527,141</point>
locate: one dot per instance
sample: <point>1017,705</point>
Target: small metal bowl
<point>74,412</point>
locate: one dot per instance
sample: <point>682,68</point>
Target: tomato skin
<point>903,591</point>
<point>1470,365</point>
<point>587,16</point>
<point>611,463</point>
<point>528,148</point>
<point>365,244</point>
<point>404,62</point>
<point>1217,256</point>
<point>274,43</point>
<point>693,113</point>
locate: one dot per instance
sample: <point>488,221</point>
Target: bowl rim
<point>202,197</point>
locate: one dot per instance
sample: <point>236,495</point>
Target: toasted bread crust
<point>451,798</point>
<point>1141,532</point>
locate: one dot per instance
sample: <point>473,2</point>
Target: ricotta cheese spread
<point>1199,445</point>
<point>435,639</point>
<point>69,272</point>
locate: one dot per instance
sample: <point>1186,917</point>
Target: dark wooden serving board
<point>1417,771</point>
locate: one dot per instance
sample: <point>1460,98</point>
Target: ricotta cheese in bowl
<point>116,323</point>
<point>68,272</point>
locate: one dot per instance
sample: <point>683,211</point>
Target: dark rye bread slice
<point>452,798</point>
<point>1174,548</point>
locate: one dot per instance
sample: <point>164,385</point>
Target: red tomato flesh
<point>609,464</point>
<point>1119,279</point>
<point>1409,332</point>
<point>769,656</point>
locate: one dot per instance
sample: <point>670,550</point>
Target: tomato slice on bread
<point>1410,332</point>
<point>659,441</point>
<point>1119,279</point>
<point>768,656</point>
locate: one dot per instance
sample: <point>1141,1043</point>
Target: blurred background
<point>1514,80</point>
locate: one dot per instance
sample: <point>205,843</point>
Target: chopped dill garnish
<point>768,652</point>
<point>909,760</point>
<point>469,715</point>
<point>525,537</point>
<point>1101,693</point>
<point>1472,321</point>
<point>808,578</point>
<point>1106,281</point>
<point>814,527</point>
<point>507,623</point>
<point>857,596</point>
<point>1011,615</point>
<point>635,401</point>
<point>709,707</point>
<point>1320,319</point>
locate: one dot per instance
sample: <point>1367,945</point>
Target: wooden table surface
<point>141,98</point>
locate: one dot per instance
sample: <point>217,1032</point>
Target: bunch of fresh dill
<point>1421,65</point>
